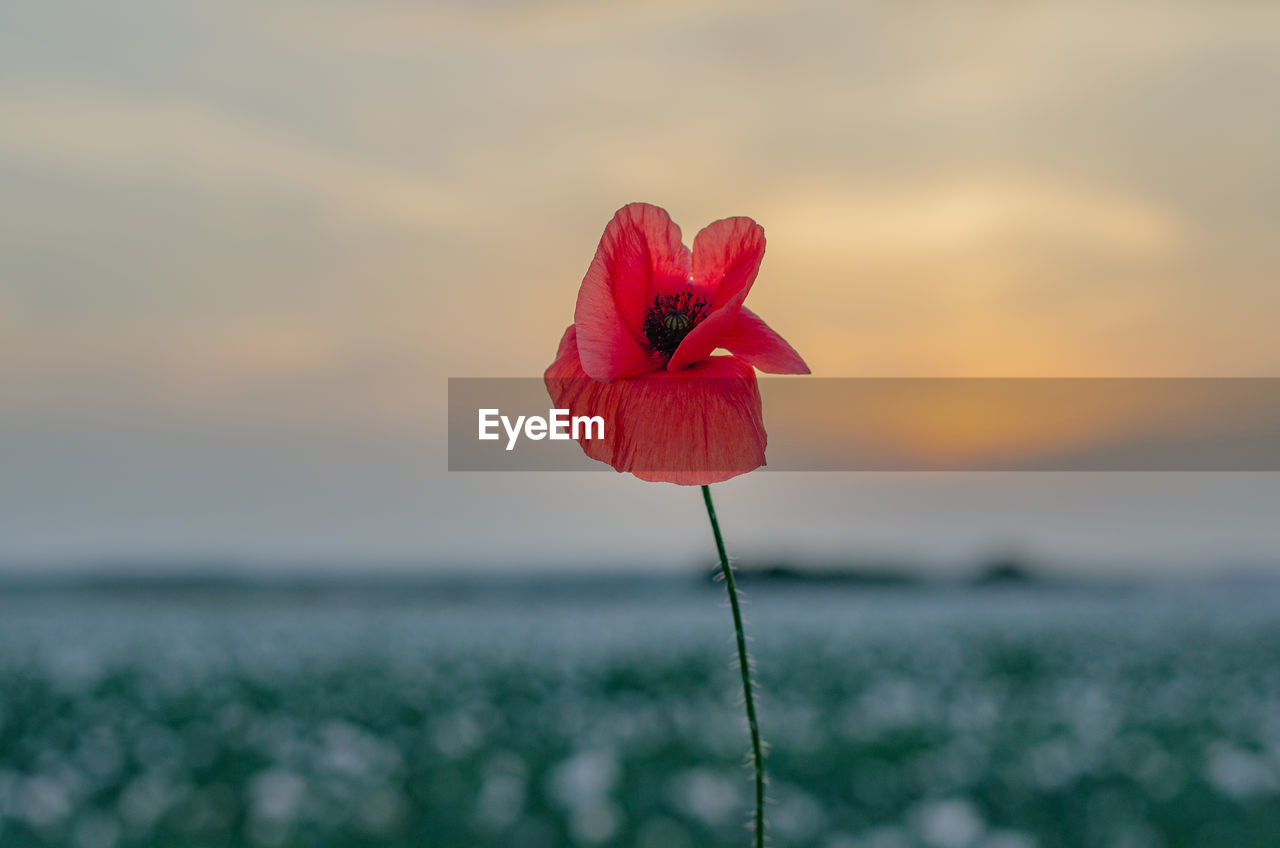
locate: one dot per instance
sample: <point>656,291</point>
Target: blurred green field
<point>1023,718</point>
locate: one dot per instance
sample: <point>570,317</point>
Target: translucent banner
<point>910,424</point>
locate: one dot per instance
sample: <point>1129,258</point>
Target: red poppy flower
<point>650,312</point>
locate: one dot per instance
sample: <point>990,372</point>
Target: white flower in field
<point>595,824</point>
<point>1239,774</point>
<point>711,798</point>
<point>43,801</point>
<point>500,802</point>
<point>582,784</point>
<point>147,797</point>
<point>949,824</point>
<point>797,816</point>
<point>276,795</point>
<point>585,777</point>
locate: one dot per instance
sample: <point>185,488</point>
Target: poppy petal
<point>726,259</point>
<point>757,344</point>
<point>700,426</point>
<point>640,252</point>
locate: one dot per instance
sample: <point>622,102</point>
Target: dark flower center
<point>670,319</point>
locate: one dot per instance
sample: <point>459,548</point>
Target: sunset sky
<point>242,248</point>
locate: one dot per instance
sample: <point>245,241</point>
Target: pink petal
<point>698,426</point>
<point>639,253</point>
<point>755,343</point>
<point>726,259</point>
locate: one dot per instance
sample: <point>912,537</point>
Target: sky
<point>242,248</point>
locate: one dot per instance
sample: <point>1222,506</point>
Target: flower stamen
<point>670,319</point>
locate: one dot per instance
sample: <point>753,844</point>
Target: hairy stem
<point>756,752</point>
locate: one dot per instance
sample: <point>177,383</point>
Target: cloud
<point>975,213</point>
<point>380,25</point>
<point>134,142</point>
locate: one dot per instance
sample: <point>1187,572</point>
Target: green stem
<point>756,753</point>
